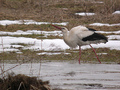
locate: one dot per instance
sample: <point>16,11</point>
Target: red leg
<point>95,53</point>
<point>79,54</point>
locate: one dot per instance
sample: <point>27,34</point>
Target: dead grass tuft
<point>23,82</point>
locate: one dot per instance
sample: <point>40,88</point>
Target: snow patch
<point>114,37</point>
<point>104,24</point>
<point>51,53</point>
<point>85,14</point>
<point>30,32</point>
<point>47,44</point>
<point>8,50</point>
<point>27,22</point>
<point>35,44</point>
<point>101,53</point>
<point>109,32</point>
<point>97,2</point>
<point>116,12</point>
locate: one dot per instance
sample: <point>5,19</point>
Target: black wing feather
<point>95,36</point>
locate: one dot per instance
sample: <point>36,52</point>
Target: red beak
<point>56,27</point>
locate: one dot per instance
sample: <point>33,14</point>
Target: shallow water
<point>73,76</point>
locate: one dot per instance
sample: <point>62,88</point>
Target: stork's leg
<point>79,54</point>
<point>95,53</point>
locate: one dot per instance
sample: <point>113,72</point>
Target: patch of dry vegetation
<point>15,27</point>
<point>23,82</point>
<point>87,56</point>
<point>60,10</point>
<point>57,11</point>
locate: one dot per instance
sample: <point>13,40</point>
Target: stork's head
<point>63,29</point>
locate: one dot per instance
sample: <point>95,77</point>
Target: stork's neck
<point>66,34</point>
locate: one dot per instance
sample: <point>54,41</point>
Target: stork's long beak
<point>56,27</point>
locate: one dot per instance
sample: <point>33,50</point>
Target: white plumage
<point>81,35</point>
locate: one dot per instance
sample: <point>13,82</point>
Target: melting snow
<point>97,2</point>
<point>85,14</point>
<point>101,53</point>
<point>10,44</point>
<point>8,49</point>
<point>109,32</point>
<point>27,22</point>
<point>35,44</point>
<point>114,37</point>
<point>30,32</point>
<point>116,12</point>
<point>104,24</point>
<point>54,33</point>
<point>51,53</point>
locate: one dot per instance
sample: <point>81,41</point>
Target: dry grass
<point>22,82</point>
<point>87,56</point>
<point>13,28</point>
<point>59,10</point>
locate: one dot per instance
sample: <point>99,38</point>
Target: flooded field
<point>72,76</point>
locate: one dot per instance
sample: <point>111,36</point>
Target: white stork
<point>81,35</point>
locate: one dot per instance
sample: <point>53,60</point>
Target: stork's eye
<point>63,28</point>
